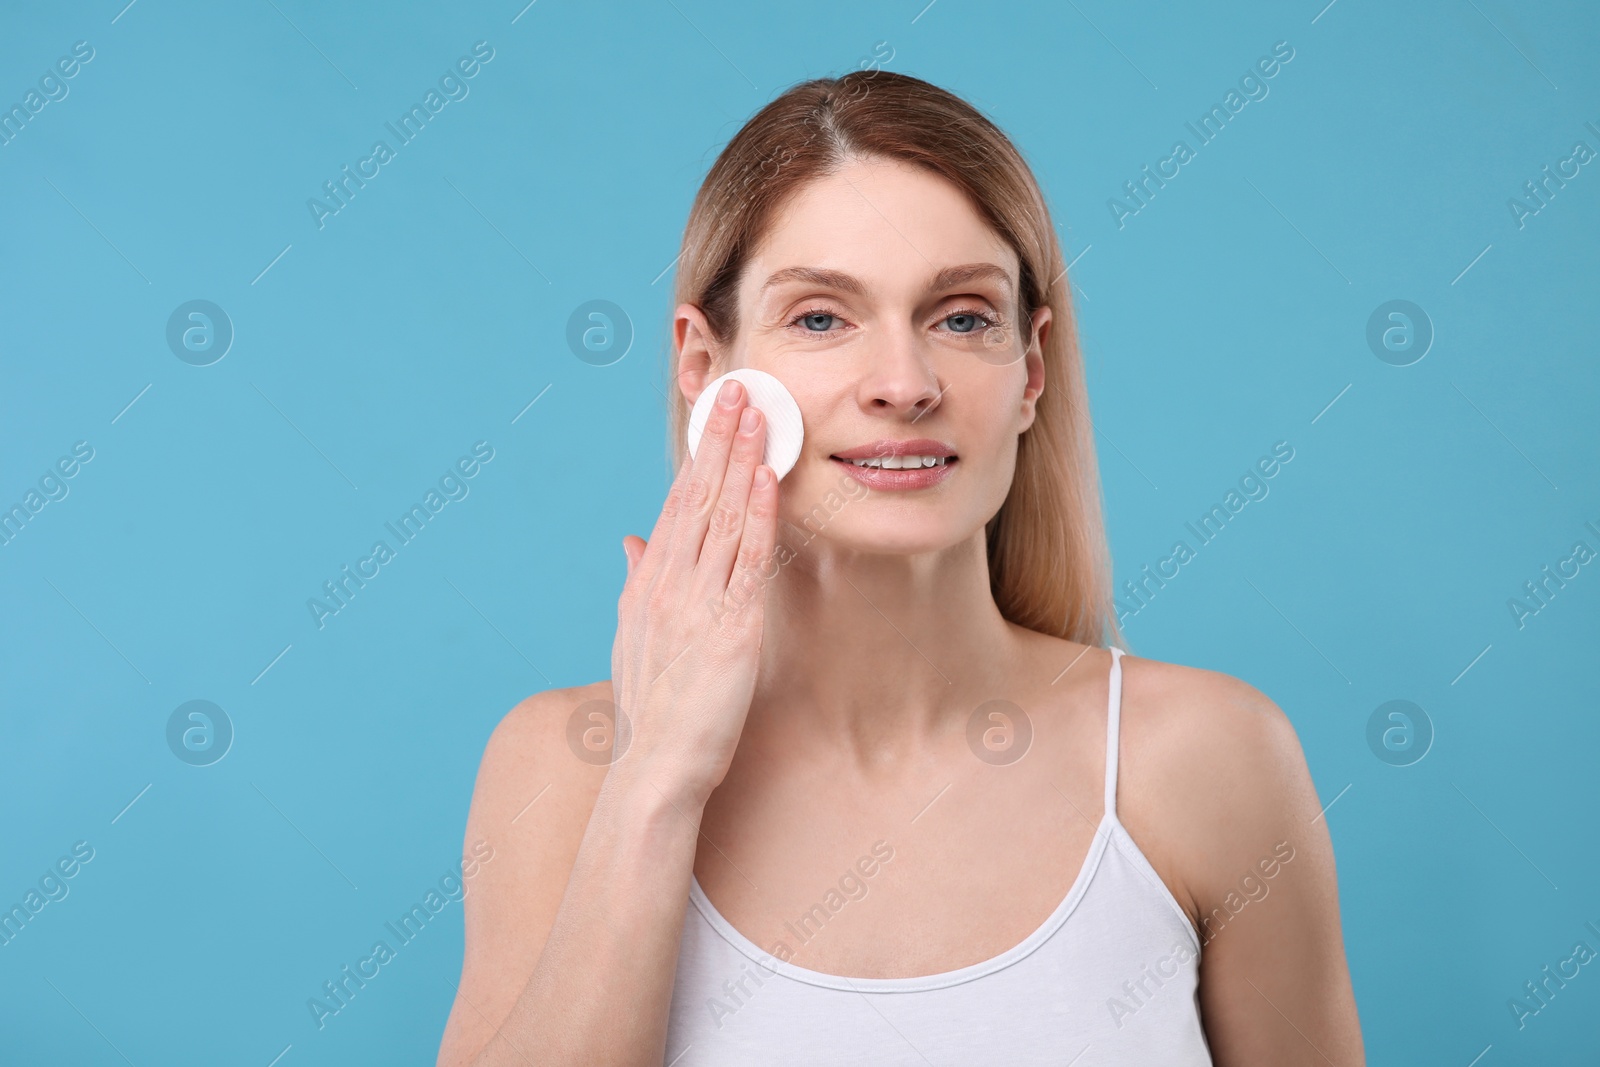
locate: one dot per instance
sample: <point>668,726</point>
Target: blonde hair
<point>1049,562</point>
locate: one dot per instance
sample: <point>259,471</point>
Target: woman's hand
<point>690,618</point>
<point>598,920</point>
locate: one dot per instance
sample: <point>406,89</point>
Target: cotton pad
<point>784,433</point>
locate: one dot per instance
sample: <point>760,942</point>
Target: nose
<point>899,377</point>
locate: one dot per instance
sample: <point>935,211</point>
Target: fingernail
<point>729,394</point>
<point>763,476</point>
<point>747,421</point>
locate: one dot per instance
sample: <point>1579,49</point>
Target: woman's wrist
<point>653,793</point>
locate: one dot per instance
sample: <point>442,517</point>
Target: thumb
<point>633,547</point>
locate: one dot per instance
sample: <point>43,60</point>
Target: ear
<point>1033,361</point>
<point>697,357</point>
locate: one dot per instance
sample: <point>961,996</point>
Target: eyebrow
<point>837,279</point>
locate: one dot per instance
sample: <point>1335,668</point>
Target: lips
<point>919,463</point>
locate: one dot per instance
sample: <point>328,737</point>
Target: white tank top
<point>1109,978</point>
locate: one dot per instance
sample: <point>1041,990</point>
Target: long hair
<point>1049,562</point>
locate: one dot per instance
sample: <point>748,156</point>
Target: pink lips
<point>913,478</point>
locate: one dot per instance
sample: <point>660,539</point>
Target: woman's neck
<point>879,652</point>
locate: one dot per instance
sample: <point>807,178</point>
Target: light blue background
<point>1227,315</point>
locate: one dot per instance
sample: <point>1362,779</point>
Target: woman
<point>879,793</point>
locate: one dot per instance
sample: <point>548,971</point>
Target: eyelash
<point>990,321</point>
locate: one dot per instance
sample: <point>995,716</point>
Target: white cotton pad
<point>784,432</point>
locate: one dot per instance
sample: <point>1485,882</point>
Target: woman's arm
<point>1274,983</point>
<point>572,930</point>
<point>589,977</point>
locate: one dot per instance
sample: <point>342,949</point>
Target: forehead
<point>894,225</point>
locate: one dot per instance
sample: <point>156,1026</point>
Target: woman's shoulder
<point>1197,713</point>
<point>531,804</point>
<point>535,789</point>
<point>551,737</point>
<point>534,715</point>
<point>1212,776</point>
<point>530,807</point>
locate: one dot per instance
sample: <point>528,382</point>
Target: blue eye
<point>972,321</point>
<point>965,322</point>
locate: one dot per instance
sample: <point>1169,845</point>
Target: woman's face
<point>889,309</point>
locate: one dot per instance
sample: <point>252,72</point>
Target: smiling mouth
<point>898,463</point>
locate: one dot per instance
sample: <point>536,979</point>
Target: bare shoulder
<point>1204,716</point>
<point>1220,800</point>
<point>1213,776</point>
<point>536,787</point>
<point>530,807</point>
<point>532,742</point>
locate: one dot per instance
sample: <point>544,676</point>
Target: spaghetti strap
<point>1113,729</point>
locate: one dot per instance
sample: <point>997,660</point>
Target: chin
<point>902,534</point>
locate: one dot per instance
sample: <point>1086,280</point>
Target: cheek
<point>991,464</point>
<point>990,436</point>
<point>804,492</point>
<point>998,476</point>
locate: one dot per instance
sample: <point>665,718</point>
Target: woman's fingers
<point>704,485</point>
<point>752,566</point>
<point>713,525</point>
<point>728,515</point>
<point>646,565</point>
